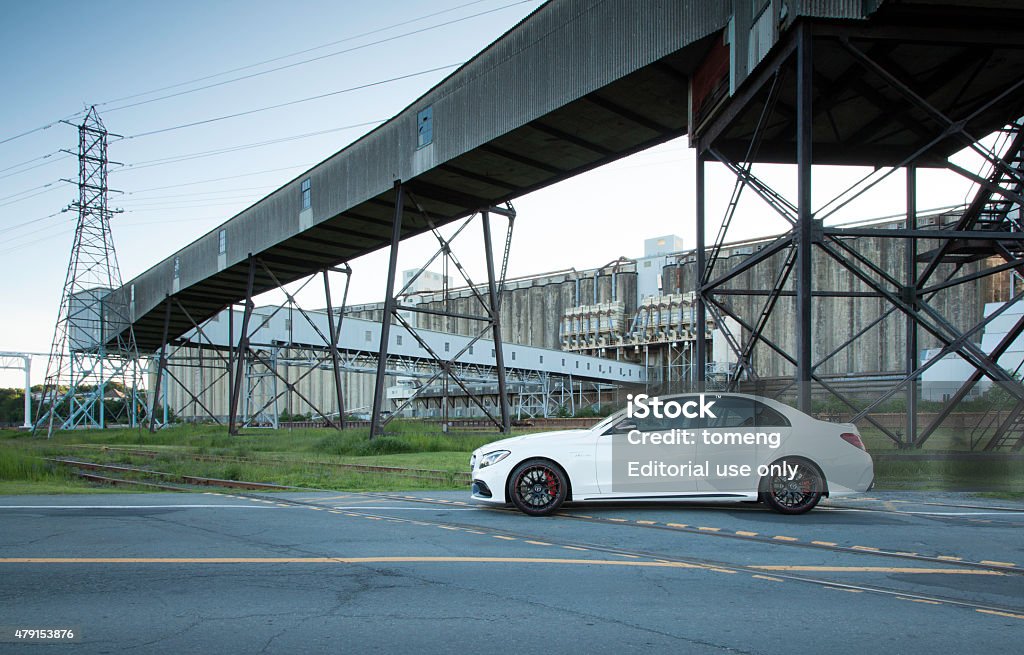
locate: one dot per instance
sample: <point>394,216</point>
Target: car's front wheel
<point>793,486</point>
<point>538,487</point>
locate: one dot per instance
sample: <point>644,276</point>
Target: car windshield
<point>609,420</point>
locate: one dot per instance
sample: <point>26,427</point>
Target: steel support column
<point>910,282</point>
<point>701,346</point>
<point>495,310</point>
<point>805,218</point>
<point>335,332</point>
<point>389,309</point>
<point>161,365</point>
<point>243,350</point>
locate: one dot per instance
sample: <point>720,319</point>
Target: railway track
<point>427,475</point>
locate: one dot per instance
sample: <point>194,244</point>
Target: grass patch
<point>950,475</point>
<point>69,486</point>
<point>310,458</point>
<point>299,457</point>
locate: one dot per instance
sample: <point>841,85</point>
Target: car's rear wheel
<point>792,492</point>
<point>538,487</point>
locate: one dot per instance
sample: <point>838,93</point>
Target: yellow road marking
<point>950,558</point>
<point>995,563</point>
<point>336,560</point>
<point>783,538</point>
<point>677,525</point>
<point>647,522</point>
<point>718,570</point>
<point>475,532</point>
<point>283,505</point>
<point>317,509</point>
<point>501,536</point>
<point>577,548</point>
<point>919,600</point>
<point>618,520</point>
<point>744,533</point>
<point>1006,614</point>
<point>538,543</point>
<point>852,591</point>
<point>870,548</point>
<point>876,569</point>
<point>626,555</point>
<point>709,529</point>
<point>824,543</point>
<point>767,577</point>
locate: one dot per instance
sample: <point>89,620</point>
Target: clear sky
<point>62,56</point>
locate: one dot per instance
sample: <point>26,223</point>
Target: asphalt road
<point>431,573</point>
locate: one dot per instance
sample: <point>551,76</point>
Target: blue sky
<point>60,56</point>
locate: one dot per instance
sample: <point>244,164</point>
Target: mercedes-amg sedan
<point>706,448</point>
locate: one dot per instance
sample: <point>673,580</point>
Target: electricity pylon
<point>93,374</point>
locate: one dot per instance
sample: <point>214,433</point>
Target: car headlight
<point>493,457</point>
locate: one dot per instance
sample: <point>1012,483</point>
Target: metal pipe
<point>27,425</point>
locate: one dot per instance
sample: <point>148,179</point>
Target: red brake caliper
<point>552,484</point>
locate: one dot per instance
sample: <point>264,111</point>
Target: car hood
<point>506,444</point>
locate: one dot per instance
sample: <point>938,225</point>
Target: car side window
<point>734,412</point>
<point>652,423</point>
<point>767,417</point>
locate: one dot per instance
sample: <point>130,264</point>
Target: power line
<point>293,102</point>
<point>205,193</point>
<point>25,170</point>
<point>21,193</point>
<point>18,246</point>
<point>41,127</point>
<point>32,131</point>
<point>220,151</point>
<point>167,206</point>
<point>30,222</point>
<point>313,59</point>
<point>29,161</point>
<point>220,179</point>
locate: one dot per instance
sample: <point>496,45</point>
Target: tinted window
<point>733,412</point>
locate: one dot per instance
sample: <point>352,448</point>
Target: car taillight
<point>854,439</point>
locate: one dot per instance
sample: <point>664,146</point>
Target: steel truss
<point>251,367</point>
<point>959,250</point>
<point>446,368</point>
<point>91,382</point>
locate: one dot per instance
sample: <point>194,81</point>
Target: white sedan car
<point>745,448</point>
